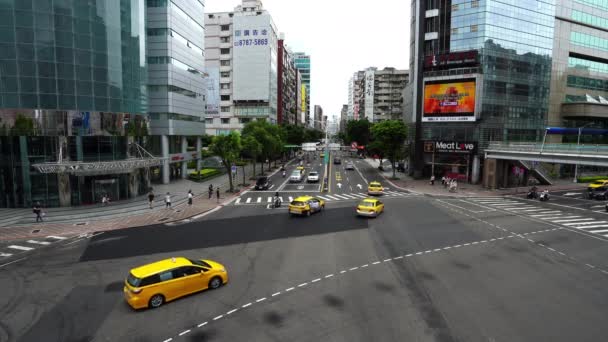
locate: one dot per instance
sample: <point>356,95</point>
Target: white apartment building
<point>377,95</point>
<point>241,60</point>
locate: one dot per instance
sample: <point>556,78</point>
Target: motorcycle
<point>532,194</point>
<point>277,203</point>
<point>284,174</point>
<point>544,196</point>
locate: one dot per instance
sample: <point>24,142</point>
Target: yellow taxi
<point>375,188</point>
<point>370,207</point>
<point>597,184</point>
<point>300,168</point>
<point>152,285</point>
<point>306,205</point>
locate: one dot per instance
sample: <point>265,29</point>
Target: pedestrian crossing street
<point>571,220</point>
<point>12,249</point>
<point>264,200</point>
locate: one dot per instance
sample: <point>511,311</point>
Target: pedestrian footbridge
<point>594,155</point>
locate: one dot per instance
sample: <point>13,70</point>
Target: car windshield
<point>295,173</point>
<point>298,203</point>
<point>262,180</point>
<point>133,280</point>
<point>313,173</point>
<point>366,204</point>
<point>374,184</point>
<point>199,263</point>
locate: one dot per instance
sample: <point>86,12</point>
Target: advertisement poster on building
<point>369,95</point>
<point>449,101</point>
<point>213,91</point>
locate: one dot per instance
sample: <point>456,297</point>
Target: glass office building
<point>500,52</point>
<point>72,89</point>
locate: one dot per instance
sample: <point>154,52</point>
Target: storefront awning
<point>96,168</point>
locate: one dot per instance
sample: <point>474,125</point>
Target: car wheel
<point>156,301</point>
<point>215,282</point>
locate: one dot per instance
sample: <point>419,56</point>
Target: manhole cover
<point>35,231</point>
<point>163,219</point>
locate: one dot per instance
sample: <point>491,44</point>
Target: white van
<point>296,176</point>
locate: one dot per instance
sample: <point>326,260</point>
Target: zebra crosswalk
<point>14,248</point>
<point>265,200</point>
<point>552,215</point>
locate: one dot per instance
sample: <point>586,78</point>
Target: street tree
<point>253,149</point>
<point>390,135</point>
<point>359,131</point>
<point>260,130</point>
<point>228,148</point>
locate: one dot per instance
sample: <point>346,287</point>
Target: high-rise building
<point>377,95</point>
<point>241,60</point>
<point>287,86</point>
<point>302,62</point>
<point>481,72</point>
<point>176,81</point>
<point>317,122</point>
<point>343,118</point>
<point>73,102</point>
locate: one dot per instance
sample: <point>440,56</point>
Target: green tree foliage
<point>228,147</point>
<point>23,126</point>
<point>390,136</point>
<point>253,149</point>
<point>359,131</point>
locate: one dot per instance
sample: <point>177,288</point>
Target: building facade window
<point>587,83</point>
<point>225,51</point>
<point>225,86</point>
<point>225,27</point>
<point>600,4</point>
<point>244,120</point>
<point>225,39</point>
<point>156,3</point>
<point>225,97</point>
<point>580,63</point>
<point>225,121</point>
<point>208,121</point>
<point>589,19</point>
<point>225,109</point>
<point>587,40</point>
<point>225,62</point>
<point>225,74</point>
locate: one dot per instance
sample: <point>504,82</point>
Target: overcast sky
<point>341,36</point>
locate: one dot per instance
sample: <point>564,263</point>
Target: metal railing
<point>572,149</point>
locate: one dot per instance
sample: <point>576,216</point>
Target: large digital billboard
<point>449,101</point>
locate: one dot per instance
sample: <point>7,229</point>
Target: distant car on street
<point>337,161</point>
<point>375,188</point>
<point>349,166</point>
<point>296,176</point>
<point>263,183</point>
<point>313,177</point>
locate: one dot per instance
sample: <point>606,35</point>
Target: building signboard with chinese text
<point>452,60</point>
<point>213,91</point>
<point>369,94</point>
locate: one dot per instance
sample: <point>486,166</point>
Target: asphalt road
<point>429,269</point>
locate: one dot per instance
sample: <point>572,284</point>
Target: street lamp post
<point>578,142</point>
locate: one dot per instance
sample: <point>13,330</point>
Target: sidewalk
<point>423,186</point>
<point>68,221</point>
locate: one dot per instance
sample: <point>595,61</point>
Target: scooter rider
<point>533,193</point>
<point>544,196</point>
<point>277,200</point>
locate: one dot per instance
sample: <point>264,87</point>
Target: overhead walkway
<point>593,155</point>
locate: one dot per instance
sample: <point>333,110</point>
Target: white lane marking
<point>341,196</point>
<point>354,268</point>
<point>21,248</point>
<point>323,198</point>
<point>418,253</point>
<point>259,199</point>
<point>573,220</point>
<point>269,199</point>
<point>168,340</point>
<point>202,324</point>
<point>218,317</point>
<point>597,206</point>
<point>584,223</point>
<point>290,199</point>
<point>408,255</point>
<point>532,210</point>
<point>456,246</point>
<point>12,262</point>
<point>248,200</point>
<point>359,195</point>
<point>289,289</point>
<point>590,265</point>
<point>387,260</point>
<point>547,214</point>
<point>399,257</point>
<point>364,266</point>
<point>333,198</point>
<point>38,242</point>
<point>315,280</point>
<point>184,332</point>
<point>598,226</point>
<point>343,271</point>
<point>303,284</point>
<point>437,250</point>
<point>551,249</point>
<point>276,294</point>
<point>261,300</point>
<point>56,237</point>
<point>375,262</point>
<point>238,200</point>
<point>246,305</point>
<point>231,311</point>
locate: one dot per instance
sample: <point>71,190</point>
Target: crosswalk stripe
<point>559,217</point>
<point>359,195</point>
<point>38,242</point>
<point>259,199</point>
<point>269,199</point>
<point>323,198</point>
<point>349,196</point>
<point>4,255</point>
<point>248,200</point>
<point>591,228</point>
<point>332,197</point>
<point>56,237</point>
<point>281,199</point>
<point>238,200</point>
<point>573,220</point>
<point>583,223</point>
<point>532,210</point>
<point>341,196</point>
<point>21,248</point>
<point>546,213</point>
<point>290,199</point>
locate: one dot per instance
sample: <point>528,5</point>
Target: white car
<point>296,176</point>
<point>349,166</point>
<point>313,177</point>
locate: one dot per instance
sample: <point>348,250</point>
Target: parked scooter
<point>544,196</point>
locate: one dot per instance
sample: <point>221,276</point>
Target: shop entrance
<point>108,187</point>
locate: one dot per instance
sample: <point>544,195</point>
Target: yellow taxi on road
<point>597,184</point>
<point>370,207</point>
<point>152,285</point>
<point>375,188</point>
<point>306,205</point>
<point>301,169</point>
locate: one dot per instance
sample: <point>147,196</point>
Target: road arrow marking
<point>573,193</point>
<point>339,185</point>
<point>359,185</point>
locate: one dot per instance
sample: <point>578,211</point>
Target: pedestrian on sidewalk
<point>432,179</point>
<point>447,182</point>
<point>151,199</point>
<point>217,193</point>
<point>190,196</point>
<point>38,211</point>
<point>443,180</point>
<point>104,200</point>
<point>210,190</point>
<point>168,200</point>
